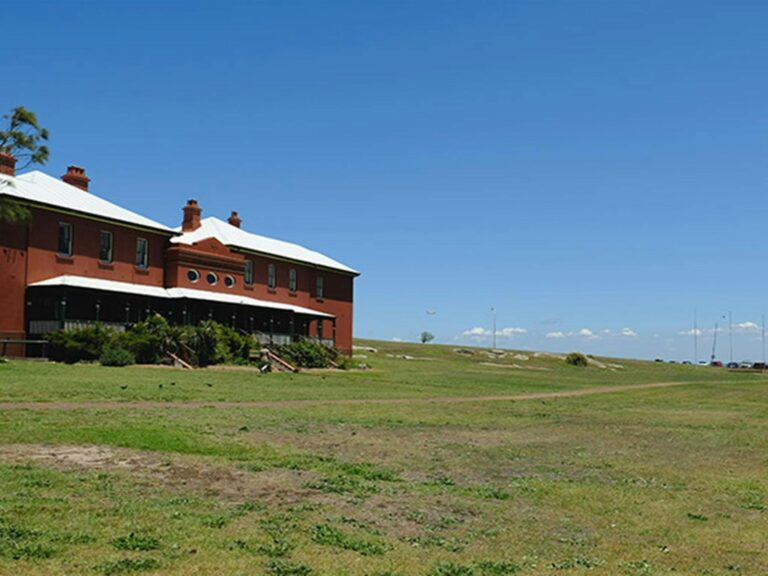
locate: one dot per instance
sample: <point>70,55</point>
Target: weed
<point>367,471</point>
<point>490,493</point>
<point>328,535</point>
<point>216,521</point>
<point>285,568</point>
<point>640,568</point>
<point>23,544</point>
<point>344,485</point>
<point>451,569</point>
<point>136,542</point>
<point>578,562</point>
<point>128,565</point>
<point>434,541</point>
<point>490,568</point>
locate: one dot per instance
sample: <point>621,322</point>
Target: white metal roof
<point>41,188</point>
<point>233,236</point>
<point>175,293</point>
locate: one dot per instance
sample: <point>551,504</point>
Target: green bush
<point>115,356</point>
<point>576,359</point>
<point>307,354</point>
<point>149,342</point>
<point>231,345</point>
<point>82,344</point>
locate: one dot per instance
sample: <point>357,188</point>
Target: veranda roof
<point>172,293</point>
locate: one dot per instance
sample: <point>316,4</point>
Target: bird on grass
<point>209,384</point>
<point>123,386</point>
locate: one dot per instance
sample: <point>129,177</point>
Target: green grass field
<point>147,470</point>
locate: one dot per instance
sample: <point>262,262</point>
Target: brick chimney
<point>191,216</point>
<point>7,163</point>
<point>76,177</point>
<point>234,219</point>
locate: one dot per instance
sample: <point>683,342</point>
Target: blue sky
<point>581,167</point>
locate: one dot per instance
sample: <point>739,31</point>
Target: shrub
<point>307,354</point>
<point>115,356</point>
<point>576,359</point>
<point>82,344</point>
<point>149,340</point>
<point>231,345</point>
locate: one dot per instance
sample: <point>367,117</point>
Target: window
<point>229,281</point>
<point>319,288</point>
<point>292,280</point>
<point>193,275</point>
<point>212,278</point>
<point>105,246</point>
<point>272,276</point>
<point>65,239</point>
<point>248,275</point>
<point>142,253</point>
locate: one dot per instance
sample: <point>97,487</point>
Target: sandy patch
<point>173,471</point>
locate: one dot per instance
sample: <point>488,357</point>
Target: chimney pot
<point>7,163</point>
<point>234,219</point>
<point>75,176</point>
<point>191,216</point>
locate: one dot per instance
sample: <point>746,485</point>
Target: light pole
<point>493,311</point>
<point>730,336</point>
<point>762,330</point>
<point>695,338</point>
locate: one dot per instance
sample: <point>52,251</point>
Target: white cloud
<point>746,327</point>
<point>476,332</point>
<point>698,331</point>
<point>509,332</point>
<point>480,333</point>
<point>691,332</point>
<point>589,334</point>
<point>397,339</point>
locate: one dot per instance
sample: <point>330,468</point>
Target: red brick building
<point>80,259</point>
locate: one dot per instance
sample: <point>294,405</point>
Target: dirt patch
<point>151,404</point>
<point>197,474</point>
<point>517,366</point>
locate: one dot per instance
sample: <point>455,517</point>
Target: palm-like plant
<point>24,139</point>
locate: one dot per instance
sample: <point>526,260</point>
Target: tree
<point>24,139</point>
<point>427,337</point>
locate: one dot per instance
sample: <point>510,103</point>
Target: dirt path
<point>150,404</point>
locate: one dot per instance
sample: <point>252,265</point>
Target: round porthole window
<point>229,281</point>
<point>212,278</point>
<point>193,275</point>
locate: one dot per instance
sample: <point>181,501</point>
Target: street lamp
<point>493,311</point>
